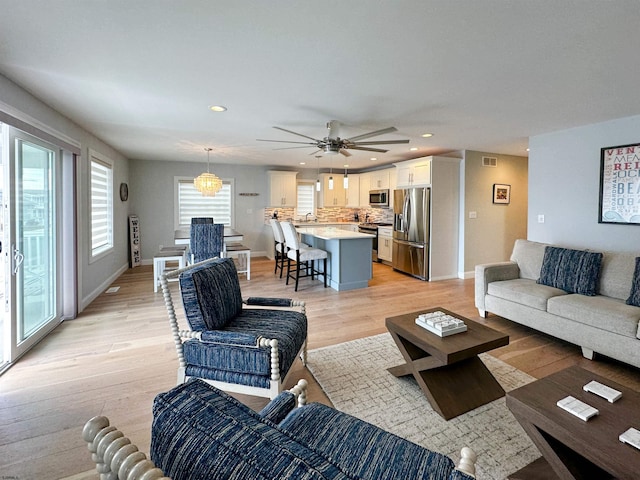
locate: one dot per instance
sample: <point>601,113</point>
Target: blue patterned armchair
<point>231,345</point>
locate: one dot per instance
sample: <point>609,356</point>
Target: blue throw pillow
<point>218,292</point>
<point>574,271</point>
<point>634,296</point>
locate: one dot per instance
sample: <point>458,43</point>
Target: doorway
<point>31,226</point>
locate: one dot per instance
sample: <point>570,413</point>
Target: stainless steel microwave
<point>378,198</point>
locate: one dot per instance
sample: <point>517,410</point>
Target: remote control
<point>632,437</point>
<point>577,408</point>
<point>602,390</point>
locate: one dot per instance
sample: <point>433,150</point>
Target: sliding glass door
<point>30,245</point>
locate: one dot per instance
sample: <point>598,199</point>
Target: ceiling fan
<point>332,144</point>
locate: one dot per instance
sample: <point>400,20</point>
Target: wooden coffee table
<point>572,448</point>
<point>447,369</point>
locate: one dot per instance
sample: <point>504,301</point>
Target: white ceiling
<point>478,74</point>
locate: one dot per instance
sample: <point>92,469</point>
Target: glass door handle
<point>17,258</point>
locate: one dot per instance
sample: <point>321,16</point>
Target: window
<point>191,203</point>
<point>101,204</point>
<point>306,201</point>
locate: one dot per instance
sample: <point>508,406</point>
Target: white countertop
<point>332,233</point>
<point>321,224</point>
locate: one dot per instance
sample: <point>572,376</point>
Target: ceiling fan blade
<point>283,141</point>
<point>290,148</point>
<point>317,151</point>
<point>368,149</point>
<point>344,152</point>
<point>295,133</point>
<point>382,142</point>
<point>372,134</point>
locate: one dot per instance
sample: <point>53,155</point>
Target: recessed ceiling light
<point>217,108</point>
<point>373,159</point>
<point>413,149</point>
<point>427,135</point>
<point>303,163</point>
<point>527,149</point>
<point>346,165</point>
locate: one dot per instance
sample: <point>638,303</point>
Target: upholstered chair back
<point>278,236</point>
<point>211,294</point>
<point>207,241</point>
<point>290,235</point>
<point>200,220</point>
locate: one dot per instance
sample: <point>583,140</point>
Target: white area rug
<point>354,376</point>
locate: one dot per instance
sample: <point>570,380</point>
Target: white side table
<point>160,261</point>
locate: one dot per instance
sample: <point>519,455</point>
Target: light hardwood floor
<point>118,354</point>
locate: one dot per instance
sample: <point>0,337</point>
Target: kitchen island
<point>348,255</point>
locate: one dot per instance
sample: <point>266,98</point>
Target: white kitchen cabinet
<point>413,173</point>
<point>385,244</point>
<point>335,197</point>
<point>353,192</point>
<point>365,186</point>
<point>379,179</point>
<point>283,190</point>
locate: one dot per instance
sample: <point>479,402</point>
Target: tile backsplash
<point>336,214</point>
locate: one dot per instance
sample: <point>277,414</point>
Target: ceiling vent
<point>489,162</point>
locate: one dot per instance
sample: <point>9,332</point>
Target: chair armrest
<point>230,338</point>
<point>113,452</point>
<point>278,408</point>
<point>269,302</point>
<point>275,302</point>
<point>492,272</point>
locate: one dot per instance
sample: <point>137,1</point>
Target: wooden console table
<point>447,369</point>
<point>572,448</point>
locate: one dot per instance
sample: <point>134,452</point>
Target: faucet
<point>306,217</point>
<point>366,218</point>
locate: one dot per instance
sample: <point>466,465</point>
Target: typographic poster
<point>620,185</point>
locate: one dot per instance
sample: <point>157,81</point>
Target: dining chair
<point>304,257</point>
<point>207,241</point>
<point>200,220</point>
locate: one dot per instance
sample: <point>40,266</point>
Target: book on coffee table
<point>441,324</point>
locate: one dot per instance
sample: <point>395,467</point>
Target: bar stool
<point>279,246</point>
<point>304,257</point>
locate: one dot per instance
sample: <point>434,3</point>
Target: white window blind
<point>101,206</point>
<point>306,199</point>
<point>191,203</point>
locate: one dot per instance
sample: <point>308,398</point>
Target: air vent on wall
<point>489,162</point>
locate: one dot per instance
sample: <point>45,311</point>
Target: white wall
<point>564,181</point>
<point>151,194</point>
<point>93,278</point>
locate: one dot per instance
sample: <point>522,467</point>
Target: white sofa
<point>603,323</point>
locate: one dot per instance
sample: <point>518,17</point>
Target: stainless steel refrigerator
<point>411,231</point>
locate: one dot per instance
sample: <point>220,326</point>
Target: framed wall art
<point>501,193</point>
<point>620,185</point>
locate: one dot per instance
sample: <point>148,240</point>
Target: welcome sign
<point>620,185</point>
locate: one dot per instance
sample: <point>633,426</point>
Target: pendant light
<point>318,184</point>
<point>208,183</point>
<point>345,179</point>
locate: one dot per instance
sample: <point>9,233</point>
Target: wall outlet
<point>473,214</point>
<point>540,218</point>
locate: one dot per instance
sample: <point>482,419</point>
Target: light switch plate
<point>473,214</point>
<point>540,218</point>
